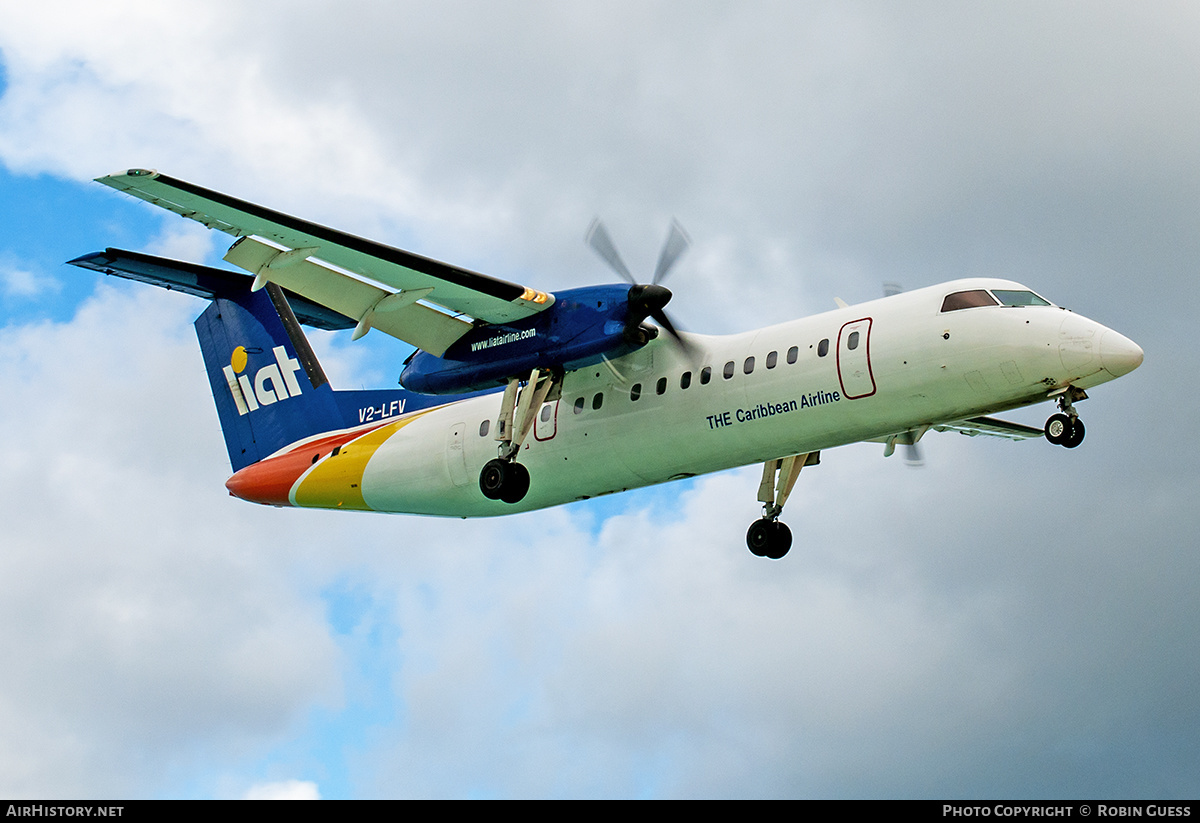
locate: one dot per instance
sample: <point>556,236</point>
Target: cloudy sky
<point>1012,620</point>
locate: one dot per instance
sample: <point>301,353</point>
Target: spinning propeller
<point>909,440</point>
<point>644,300</point>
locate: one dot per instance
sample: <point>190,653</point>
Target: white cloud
<point>1005,622</point>
<point>144,625</point>
<point>284,790</point>
<point>20,281</point>
<point>185,240</point>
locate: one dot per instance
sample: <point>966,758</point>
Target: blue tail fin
<point>269,388</point>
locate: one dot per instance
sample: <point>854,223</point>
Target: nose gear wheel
<point>1065,428</point>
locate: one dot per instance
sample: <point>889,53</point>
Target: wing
<point>395,313</point>
<point>991,426</point>
<point>456,290</point>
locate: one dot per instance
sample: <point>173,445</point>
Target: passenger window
<point>852,341</point>
<point>661,388</point>
<point>748,366</point>
<point>598,401</point>
<point>546,409</point>
<point>483,428</point>
<point>705,375</point>
<point>967,300</point>
<point>578,405</point>
<point>823,347</point>
<point>729,367</point>
<point>772,359</point>
<point>793,353</point>
<point>636,391</point>
<point>685,380</point>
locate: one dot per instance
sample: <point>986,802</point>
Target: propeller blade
<point>689,351</point>
<point>664,322</point>
<point>912,455</point>
<point>598,238</point>
<point>909,440</point>
<point>646,300</point>
<point>676,244</point>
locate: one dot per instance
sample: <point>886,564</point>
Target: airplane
<point>519,399</point>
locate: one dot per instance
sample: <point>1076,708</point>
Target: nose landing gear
<point>1062,430</point>
<point>1065,428</point>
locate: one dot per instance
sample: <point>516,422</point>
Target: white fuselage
<point>892,365</point>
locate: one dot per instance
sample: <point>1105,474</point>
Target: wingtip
<point>85,261</point>
<point>128,173</point>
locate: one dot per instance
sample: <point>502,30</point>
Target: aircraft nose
<point>1119,354</point>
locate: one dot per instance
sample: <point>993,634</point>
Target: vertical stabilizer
<point>269,388</point>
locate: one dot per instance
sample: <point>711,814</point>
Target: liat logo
<point>271,383</point>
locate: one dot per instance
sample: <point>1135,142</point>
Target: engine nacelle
<point>582,326</point>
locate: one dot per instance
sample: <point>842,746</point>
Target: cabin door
<point>854,359</point>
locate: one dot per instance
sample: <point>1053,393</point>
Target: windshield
<point>1019,298</point>
<point>974,298</point>
<point>967,300</point>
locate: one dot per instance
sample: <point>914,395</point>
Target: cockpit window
<point>967,300</point>
<point>1019,298</point>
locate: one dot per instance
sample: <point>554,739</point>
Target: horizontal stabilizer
<point>202,281</point>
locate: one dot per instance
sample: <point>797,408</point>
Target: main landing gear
<point>504,478</point>
<point>1065,428</point>
<point>768,537</point>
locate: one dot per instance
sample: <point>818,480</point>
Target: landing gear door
<point>456,460</point>
<point>854,359</point>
